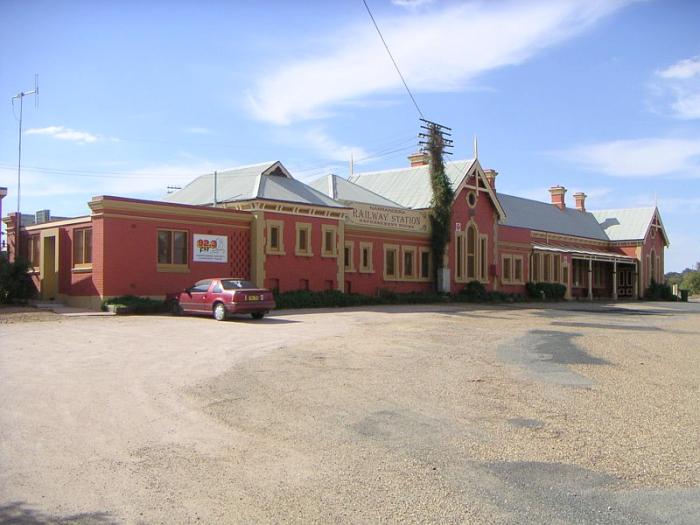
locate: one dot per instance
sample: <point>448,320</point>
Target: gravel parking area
<point>569,413</point>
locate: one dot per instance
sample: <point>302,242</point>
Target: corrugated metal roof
<point>268,180</point>
<point>580,251</point>
<point>410,187</point>
<point>542,216</point>
<point>342,189</point>
<point>625,224</point>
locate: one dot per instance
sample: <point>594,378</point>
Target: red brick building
<point>363,234</point>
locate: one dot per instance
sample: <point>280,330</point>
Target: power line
<point>392,59</point>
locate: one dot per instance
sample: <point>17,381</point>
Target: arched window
<point>652,268</point>
<point>472,235</point>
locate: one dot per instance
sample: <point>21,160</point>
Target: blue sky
<point>598,96</point>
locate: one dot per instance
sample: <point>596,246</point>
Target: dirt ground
<point>571,413</point>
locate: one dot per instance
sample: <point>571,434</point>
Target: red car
<point>224,296</point>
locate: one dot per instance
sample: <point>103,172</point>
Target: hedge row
<point>138,305</point>
<point>545,291</point>
<point>472,292</point>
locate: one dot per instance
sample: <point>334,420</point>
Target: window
<point>409,262</point>
<point>33,250</point>
<point>425,263</point>
<point>329,240</point>
<point>275,237</point>
<point>366,257</point>
<point>172,248</point>
<point>471,252</point>
<point>483,258</point>
<point>518,269</point>
<point>349,256</point>
<point>201,286</point>
<point>303,242</point>
<point>471,199</point>
<point>507,274</point>
<point>556,270</point>
<point>391,254</point>
<point>546,267</point>
<point>535,267</point>
<point>459,270</point>
<point>82,247</point>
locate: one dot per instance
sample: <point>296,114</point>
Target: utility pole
<point>434,143</point>
<point>20,96</point>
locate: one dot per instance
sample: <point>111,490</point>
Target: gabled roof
<point>341,189</point>
<point>542,216</point>
<point>630,224</point>
<point>268,180</point>
<point>410,187</point>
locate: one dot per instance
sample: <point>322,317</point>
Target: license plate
<point>254,297</point>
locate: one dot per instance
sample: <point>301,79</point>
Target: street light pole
<point>18,220</point>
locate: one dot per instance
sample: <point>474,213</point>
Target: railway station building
<point>361,234</point>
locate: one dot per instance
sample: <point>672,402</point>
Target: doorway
<point>49,271</point>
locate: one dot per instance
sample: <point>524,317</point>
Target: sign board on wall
<point>209,248</point>
<point>394,218</point>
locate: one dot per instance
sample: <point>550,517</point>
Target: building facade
<point>364,234</point>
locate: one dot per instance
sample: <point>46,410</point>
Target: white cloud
<point>440,49</point>
<point>678,87</point>
<point>411,4</point>
<point>149,182</point>
<point>62,133</point>
<point>639,157</point>
<point>198,130</point>
<point>683,69</point>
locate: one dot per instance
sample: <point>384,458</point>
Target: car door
<point>197,297</point>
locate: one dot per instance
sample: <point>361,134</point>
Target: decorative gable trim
<point>477,172</point>
<point>277,169</point>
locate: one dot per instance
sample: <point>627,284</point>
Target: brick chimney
<point>580,201</point>
<point>557,193</point>
<point>491,177</point>
<point>419,158</point>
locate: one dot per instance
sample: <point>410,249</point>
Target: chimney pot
<point>558,193</point>
<point>491,177</point>
<point>419,158</point>
<point>580,201</point>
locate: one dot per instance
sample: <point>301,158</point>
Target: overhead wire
<point>393,60</point>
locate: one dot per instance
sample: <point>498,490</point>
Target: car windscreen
<point>236,284</point>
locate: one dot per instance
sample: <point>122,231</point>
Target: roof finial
<point>352,165</point>
<point>476,147</point>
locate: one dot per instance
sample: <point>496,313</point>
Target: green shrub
<point>659,292</point>
<point>473,291</point>
<point>545,291</point>
<point>16,284</point>
<point>138,305</point>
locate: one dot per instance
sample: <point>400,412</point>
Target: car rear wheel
<point>257,315</point>
<point>219,312</point>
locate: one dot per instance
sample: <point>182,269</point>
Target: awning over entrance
<point>594,255</point>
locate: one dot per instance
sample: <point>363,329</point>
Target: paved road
<point>575,413</point>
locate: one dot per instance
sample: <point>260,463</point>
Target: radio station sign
<point>394,218</point>
<point>210,248</point>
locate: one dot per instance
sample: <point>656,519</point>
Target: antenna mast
<point>20,96</point>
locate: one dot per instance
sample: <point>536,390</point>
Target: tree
<point>691,282</point>
<point>441,202</point>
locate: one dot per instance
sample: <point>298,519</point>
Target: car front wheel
<point>219,312</point>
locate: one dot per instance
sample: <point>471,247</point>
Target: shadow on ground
<point>544,355</point>
<point>19,513</point>
<point>533,492</point>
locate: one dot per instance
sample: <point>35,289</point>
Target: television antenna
<point>20,96</point>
